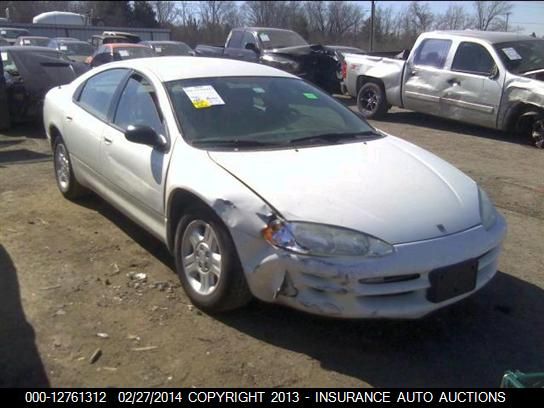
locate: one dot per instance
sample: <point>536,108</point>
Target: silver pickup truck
<point>491,79</point>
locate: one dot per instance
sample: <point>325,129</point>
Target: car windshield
<point>261,111</point>
<point>280,39</point>
<point>76,48</point>
<point>11,34</point>
<point>520,57</point>
<point>38,42</point>
<point>172,49</point>
<point>133,52</point>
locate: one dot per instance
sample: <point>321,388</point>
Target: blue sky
<point>527,14</point>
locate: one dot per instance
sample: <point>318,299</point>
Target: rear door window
<point>98,92</point>
<point>432,53</point>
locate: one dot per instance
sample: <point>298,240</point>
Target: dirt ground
<point>69,272</point>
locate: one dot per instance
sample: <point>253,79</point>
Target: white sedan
<point>261,185</point>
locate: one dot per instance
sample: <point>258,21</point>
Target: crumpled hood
<point>300,50</point>
<point>388,188</point>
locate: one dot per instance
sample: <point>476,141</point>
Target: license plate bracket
<point>453,280</point>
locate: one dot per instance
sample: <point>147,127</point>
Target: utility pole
<point>372,26</point>
<point>507,15</point>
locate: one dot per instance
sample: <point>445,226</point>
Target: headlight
<point>323,240</point>
<point>488,213</point>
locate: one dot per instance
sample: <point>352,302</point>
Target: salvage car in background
<point>491,79</point>
<point>118,52</point>
<point>113,37</point>
<point>75,50</point>
<point>11,34</point>
<point>169,48</point>
<point>225,161</point>
<point>32,41</point>
<point>28,73</point>
<point>283,49</point>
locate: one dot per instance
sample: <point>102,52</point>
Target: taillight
<point>344,69</point>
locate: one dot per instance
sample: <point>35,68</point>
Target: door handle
<point>69,118</point>
<point>107,140</point>
<point>453,82</point>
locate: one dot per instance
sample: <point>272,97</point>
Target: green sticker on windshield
<point>310,95</point>
<point>258,90</point>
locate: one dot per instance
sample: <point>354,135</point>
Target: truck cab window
<point>432,53</point>
<point>235,39</point>
<point>472,58</point>
<point>248,39</point>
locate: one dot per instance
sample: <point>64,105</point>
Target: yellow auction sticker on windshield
<point>201,103</point>
<point>203,96</point>
<point>310,95</point>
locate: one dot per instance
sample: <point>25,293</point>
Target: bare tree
<point>216,19</point>
<point>422,16</point>
<point>454,18</point>
<point>489,14</point>
<point>215,12</point>
<point>267,13</point>
<point>316,12</point>
<point>343,17</point>
<point>166,12</point>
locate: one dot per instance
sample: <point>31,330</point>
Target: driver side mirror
<point>494,72</point>
<point>142,134</point>
<point>252,47</point>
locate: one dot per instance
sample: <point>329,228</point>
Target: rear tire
<point>207,263</point>
<point>537,131</point>
<point>64,174</point>
<point>371,101</point>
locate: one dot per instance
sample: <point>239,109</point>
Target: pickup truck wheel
<point>64,174</point>
<point>207,263</point>
<point>371,101</point>
<point>537,132</point>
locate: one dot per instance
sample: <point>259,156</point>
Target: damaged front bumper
<point>393,286</point>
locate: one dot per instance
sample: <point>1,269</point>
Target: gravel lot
<point>69,271</point>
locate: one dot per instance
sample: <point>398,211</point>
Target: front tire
<point>64,173</point>
<point>207,263</point>
<point>371,101</point>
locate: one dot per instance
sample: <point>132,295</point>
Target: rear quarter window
<point>97,93</point>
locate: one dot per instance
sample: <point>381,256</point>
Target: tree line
<point>327,22</point>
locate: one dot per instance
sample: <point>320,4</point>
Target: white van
<point>59,17</point>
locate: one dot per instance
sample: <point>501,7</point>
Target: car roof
<point>18,48</point>
<point>33,36</point>
<point>185,67</point>
<point>73,42</point>
<point>13,28</point>
<point>263,28</point>
<point>162,42</point>
<point>124,45</point>
<point>491,37</point>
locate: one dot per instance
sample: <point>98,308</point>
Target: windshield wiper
<point>232,143</point>
<point>336,137</point>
